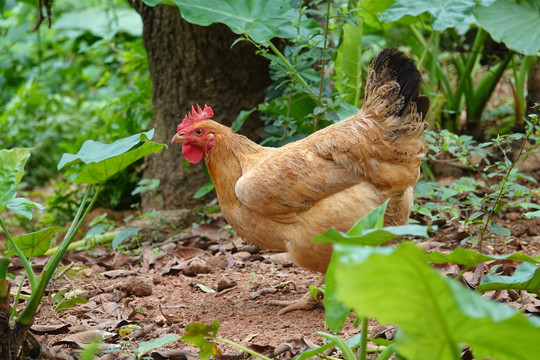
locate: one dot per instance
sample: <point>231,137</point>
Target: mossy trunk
<point>191,64</point>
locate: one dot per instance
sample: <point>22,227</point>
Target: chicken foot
<point>306,302</point>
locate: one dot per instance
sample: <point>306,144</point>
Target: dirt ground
<point>169,279</point>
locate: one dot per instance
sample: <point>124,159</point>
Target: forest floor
<point>206,273</point>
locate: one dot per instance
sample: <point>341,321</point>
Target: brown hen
<point>280,198</point>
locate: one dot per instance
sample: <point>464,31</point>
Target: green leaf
<point>205,288</point>
<point>261,20</point>
<point>525,277</point>
<point>348,66</point>
<point>497,229</point>
<point>470,257</point>
<point>24,207</point>
<point>104,160</point>
<point>94,152</point>
<point>123,235</point>
<point>36,243</point>
<point>531,214</point>
<point>146,346</point>
<point>11,172</point>
<point>70,303</point>
<point>196,334</point>
<point>437,316</point>
<point>240,119</point>
<point>445,14</point>
<point>371,237</point>
<point>146,185</point>
<point>335,312</point>
<point>514,24</point>
<point>203,190</point>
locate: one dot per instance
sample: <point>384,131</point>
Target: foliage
<point>115,156</point>
<point>465,200</point>
<point>78,80</point>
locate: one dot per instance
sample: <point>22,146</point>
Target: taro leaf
<point>123,235</point>
<point>348,66</point>
<point>445,14</point>
<point>196,334</point>
<point>516,25</point>
<point>104,160</point>
<point>92,151</point>
<point>261,20</point>
<point>11,172</point>
<point>470,257</point>
<point>36,243</point>
<point>24,207</point>
<point>335,312</point>
<point>147,346</point>
<point>97,22</point>
<point>525,277</point>
<point>398,286</point>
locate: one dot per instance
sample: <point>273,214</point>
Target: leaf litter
<point>206,273</point>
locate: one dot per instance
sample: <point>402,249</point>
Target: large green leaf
<point>348,67</point>
<point>445,14</point>
<point>470,257</point>
<point>525,277</point>
<point>514,24</point>
<point>24,207</point>
<point>11,172</point>
<point>36,243</point>
<point>104,160</point>
<point>93,151</point>
<point>436,315</point>
<point>261,20</point>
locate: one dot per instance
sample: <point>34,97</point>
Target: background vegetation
<point>87,78</point>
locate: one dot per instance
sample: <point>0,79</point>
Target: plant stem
<point>504,185</point>
<point>386,353</point>
<point>244,349</point>
<point>95,240</point>
<point>292,72</point>
<point>363,339</point>
<point>345,349</point>
<point>323,63</point>
<point>25,262</point>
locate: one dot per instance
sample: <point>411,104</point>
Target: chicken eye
<point>199,132</point>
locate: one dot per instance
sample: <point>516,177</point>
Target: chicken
<point>280,198</point>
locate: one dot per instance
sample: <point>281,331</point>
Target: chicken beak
<point>178,139</point>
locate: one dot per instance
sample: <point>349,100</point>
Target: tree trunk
<point>190,64</point>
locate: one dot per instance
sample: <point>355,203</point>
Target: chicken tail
<point>392,94</point>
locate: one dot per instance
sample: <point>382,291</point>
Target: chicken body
<point>280,198</point>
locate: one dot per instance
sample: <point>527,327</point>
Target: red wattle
<point>193,154</point>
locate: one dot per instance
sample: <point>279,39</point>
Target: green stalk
<point>292,72</point>
<point>434,59</point>
<point>386,353</point>
<point>4,263</point>
<point>504,185</point>
<point>363,339</point>
<point>27,314</point>
<point>95,240</point>
<point>345,349</point>
<point>75,225</point>
<point>466,76</point>
<point>242,348</point>
<point>25,262</point>
<point>323,63</point>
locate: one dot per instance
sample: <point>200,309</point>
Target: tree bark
<point>190,64</point>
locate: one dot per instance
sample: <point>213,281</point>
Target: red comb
<point>195,116</point>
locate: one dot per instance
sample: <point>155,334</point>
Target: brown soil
<point>168,280</point>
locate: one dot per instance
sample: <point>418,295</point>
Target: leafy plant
<point>101,161</point>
